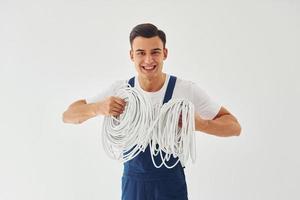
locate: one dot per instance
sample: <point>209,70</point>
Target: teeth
<point>148,68</point>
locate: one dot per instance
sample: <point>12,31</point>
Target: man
<point>141,180</point>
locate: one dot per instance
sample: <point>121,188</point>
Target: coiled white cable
<point>122,138</point>
<point>171,140</point>
<point>142,124</point>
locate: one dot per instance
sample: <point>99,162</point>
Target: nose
<point>148,59</point>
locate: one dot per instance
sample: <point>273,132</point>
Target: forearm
<point>80,113</point>
<point>223,126</point>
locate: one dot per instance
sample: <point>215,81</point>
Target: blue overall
<point>143,181</point>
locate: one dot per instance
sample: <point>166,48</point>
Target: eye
<point>140,53</point>
<point>156,53</point>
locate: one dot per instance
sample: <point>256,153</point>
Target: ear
<point>165,53</point>
<point>131,54</point>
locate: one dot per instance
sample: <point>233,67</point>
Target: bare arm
<point>223,125</point>
<point>80,111</point>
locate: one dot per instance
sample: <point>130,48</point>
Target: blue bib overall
<point>143,181</point>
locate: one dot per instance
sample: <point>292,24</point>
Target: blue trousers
<point>138,189</point>
<point>142,181</point>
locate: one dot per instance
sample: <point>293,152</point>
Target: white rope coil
<point>142,124</point>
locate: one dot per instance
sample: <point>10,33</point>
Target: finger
<point>179,121</point>
<point>179,124</point>
<point>120,101</point>
<point>119,111</point>
<point>117,106</point>
<point>113,113</point>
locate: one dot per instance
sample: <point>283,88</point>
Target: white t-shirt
<point>204,105</point>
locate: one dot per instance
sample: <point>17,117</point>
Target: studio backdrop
<point>243,54</point>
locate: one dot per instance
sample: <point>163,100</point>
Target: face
<point>148,55</point>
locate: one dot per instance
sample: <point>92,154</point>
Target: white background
<point>244,54</point>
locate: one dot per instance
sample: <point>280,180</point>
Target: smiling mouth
<point>149,68</point>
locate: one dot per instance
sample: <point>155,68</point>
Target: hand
<point>111,106</point>
<point>180,121</point>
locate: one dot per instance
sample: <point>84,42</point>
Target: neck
<point>152,84</point>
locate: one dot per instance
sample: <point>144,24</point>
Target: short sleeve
<point>110,91</point>
<point>204,104</point>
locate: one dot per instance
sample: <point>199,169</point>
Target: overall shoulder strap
<point>170,89</point>
<point>131,82</point>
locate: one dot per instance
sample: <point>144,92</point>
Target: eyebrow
<point>159,49</point>
<point>156,49</point>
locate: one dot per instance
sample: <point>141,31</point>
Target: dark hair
<point>147,30</point>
